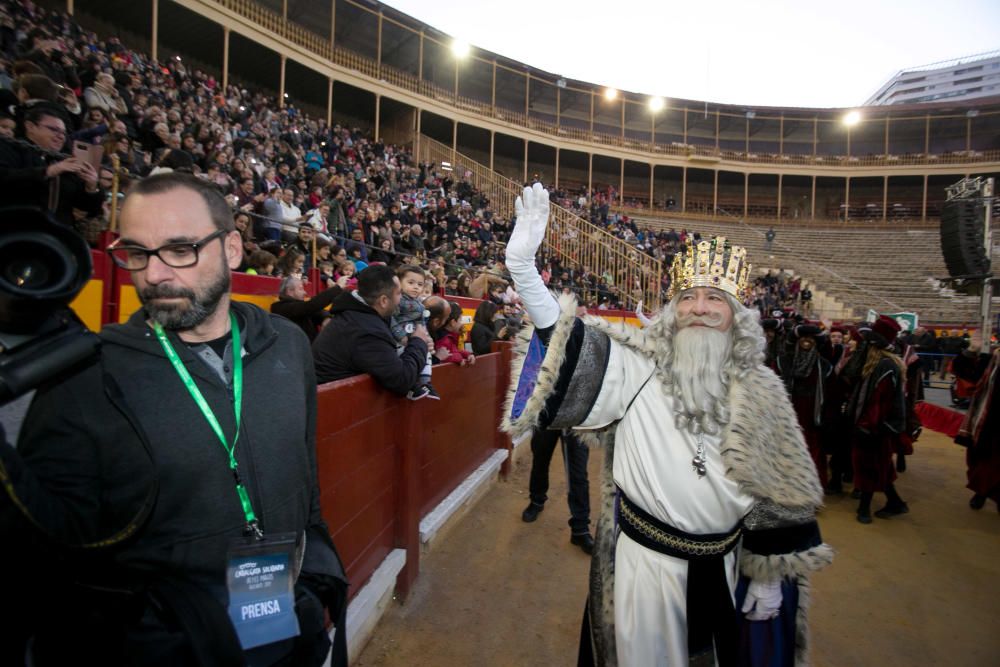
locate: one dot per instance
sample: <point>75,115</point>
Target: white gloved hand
<point>763,601</point>
<point>642,316</point>
<point>532,211</point>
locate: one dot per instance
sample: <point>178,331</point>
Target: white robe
<point>652,465</point>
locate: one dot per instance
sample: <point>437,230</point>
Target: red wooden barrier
<point>384,461</point>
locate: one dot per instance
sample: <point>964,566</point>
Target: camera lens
<point>43,266</point>
<point>35,265</point>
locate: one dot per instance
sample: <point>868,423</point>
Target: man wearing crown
<point>707,534</point>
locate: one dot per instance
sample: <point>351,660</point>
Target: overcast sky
<point>753,52</point>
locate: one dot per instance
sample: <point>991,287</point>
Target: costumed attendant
<point>709,495</point>
<point>878,409</point>
<point>806,374</point>
<point>980,432</point>
<point>838,424</point>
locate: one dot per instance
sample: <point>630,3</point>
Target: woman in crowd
<point>483,332</point>
<point>383,253</point>
<point>243,226</point>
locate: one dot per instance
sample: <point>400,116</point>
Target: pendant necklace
<point>699,460</point>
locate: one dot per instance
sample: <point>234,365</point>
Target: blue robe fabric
<point>769,643</point>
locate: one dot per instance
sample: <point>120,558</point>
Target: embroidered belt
<point>653,534</point>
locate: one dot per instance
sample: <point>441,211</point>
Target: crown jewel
<point>716,263</point>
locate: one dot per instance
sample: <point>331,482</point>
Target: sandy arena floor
<point>922,589</point>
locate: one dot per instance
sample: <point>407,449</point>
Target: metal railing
<point>633,275</point>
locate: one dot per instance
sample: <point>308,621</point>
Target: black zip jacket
<point>118,457</point>
<point>359,340</point>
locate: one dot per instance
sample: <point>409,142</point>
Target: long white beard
<point>698,383</point>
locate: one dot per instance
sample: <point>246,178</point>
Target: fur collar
<point>763,447</point>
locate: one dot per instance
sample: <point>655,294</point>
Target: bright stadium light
<point>610,93</point>
<point>852,118</point>
<point>460,48</point>
<point>656,103</point>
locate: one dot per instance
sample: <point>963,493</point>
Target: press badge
<point>261,589</point>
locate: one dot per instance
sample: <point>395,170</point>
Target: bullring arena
<point>423,499</point>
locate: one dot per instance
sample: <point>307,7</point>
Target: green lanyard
<point>253,527</point>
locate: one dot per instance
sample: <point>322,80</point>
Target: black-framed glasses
<point>53,129</point>
<point>175,255</point>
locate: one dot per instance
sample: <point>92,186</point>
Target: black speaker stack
<point>962,238</point>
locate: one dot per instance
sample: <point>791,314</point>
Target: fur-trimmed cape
<point>762,448</point>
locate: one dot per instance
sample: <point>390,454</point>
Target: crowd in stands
<point>298,187</point>
<point>779,291</point>
<point>304,194</point>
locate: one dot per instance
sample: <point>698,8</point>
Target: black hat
<point>804,330</point>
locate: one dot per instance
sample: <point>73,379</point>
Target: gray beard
<point>698,382</point>
<point>182,317</point>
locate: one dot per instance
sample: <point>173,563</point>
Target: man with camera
<point>162,505</point>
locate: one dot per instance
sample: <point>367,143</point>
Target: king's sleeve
<point>781,541</point>
<point>767,456</point>
<point>579,378</point>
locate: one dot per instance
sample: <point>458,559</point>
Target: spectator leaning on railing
<point>483,328</point>
<point>310,314</point>
<point>446,345</point>
<point>359,339</point>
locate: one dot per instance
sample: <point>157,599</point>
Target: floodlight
<point>460,48</point>
<point>852,118</point>
<point>610,93</point>
<point>656,103</point>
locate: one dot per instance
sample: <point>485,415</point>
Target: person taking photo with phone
<point>35,173</point>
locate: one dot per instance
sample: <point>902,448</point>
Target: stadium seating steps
<point>888,270</point>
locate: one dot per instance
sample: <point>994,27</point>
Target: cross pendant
<point>698,463</point>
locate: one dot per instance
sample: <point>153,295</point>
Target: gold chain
<point>685,545</point>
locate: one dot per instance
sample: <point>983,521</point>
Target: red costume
<point>980,432</point>
<point>878,410</point>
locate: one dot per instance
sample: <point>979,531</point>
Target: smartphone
<point>91,153</point>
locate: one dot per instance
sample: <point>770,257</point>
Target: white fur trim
<point>763,447</point>
<point>796,564</point>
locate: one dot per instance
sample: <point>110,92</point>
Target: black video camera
<point>43,266</point>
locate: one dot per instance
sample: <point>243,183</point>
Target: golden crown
<point>716,263</point>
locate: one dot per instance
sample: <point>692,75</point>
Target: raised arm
<point>532,211</point>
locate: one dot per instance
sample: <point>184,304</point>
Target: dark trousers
<point>575,455</point>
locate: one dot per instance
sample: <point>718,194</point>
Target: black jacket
<point>482,336</point>
<point>23,183</point>
<point>359,340</point>
<point>121,451</point>
<point>309,315</point>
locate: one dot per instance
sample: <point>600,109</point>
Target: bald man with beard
<point>707,528</point>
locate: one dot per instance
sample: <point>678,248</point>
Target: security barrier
<point>385,462</point>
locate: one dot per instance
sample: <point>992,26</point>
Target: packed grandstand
<point>182,111</point>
